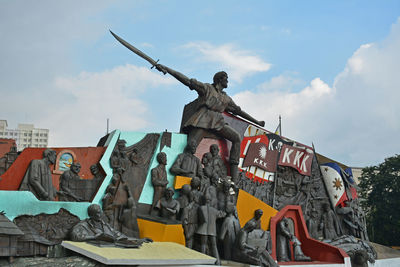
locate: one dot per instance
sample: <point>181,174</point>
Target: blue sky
<point>328,67</point>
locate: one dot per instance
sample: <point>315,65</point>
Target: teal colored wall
<point>16,203</point>
<point>105,164</point>
<point>178,143</point>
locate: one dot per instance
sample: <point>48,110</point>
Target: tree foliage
<point>380,188</point>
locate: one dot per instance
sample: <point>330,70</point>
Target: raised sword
<point>136,51</point>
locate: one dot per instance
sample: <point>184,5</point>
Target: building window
<point>36,134</point>
<point>45,135</point>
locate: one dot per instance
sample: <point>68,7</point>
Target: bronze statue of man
<point>206,116</point>
<point>159,179</point>
<point>66,193</point>
<point>38,179</point>
<point>169,206</point>
<point>187,164</point>
<point>95,228</point>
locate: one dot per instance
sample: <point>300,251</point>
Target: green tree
<point>380,188</point>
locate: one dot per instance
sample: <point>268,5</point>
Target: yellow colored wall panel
<point>247,204</point>
<point>160,232</point>
<point>180,181</point>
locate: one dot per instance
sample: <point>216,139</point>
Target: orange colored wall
<point>5,146</point>
<point>86,156</point>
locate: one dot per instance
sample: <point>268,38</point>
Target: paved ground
<point>385,252</point>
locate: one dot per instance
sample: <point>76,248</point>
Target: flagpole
<point>280,125</point>
<point>276,179</point>
<point>278,130</point>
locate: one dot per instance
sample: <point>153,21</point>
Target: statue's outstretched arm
<point>248,117</point>
<point>236,110</point>
<point>179,76</point>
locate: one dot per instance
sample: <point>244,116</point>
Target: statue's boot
<point>283,259</point>
<point>302,258</point>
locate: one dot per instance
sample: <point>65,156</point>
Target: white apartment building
<point>25,135</point>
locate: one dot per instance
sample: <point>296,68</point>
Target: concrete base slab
<point>156,253</point>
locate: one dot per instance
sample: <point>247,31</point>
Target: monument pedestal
<point>156,253</point>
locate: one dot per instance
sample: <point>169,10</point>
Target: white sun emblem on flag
<point>262,152</point>
<point>337,184</point>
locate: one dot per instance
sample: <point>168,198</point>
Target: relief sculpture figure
<point>38,179</point>
<point>159,179</point>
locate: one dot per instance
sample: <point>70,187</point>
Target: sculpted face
<point>52,157</point>
<point>214,149</point>
<point>169,193</point>
<point>76,168</point>
<point>224,81</point>
<point>191,147</point>
<point>206,158</point>
<point>95,212</point>
<point>162,158</point>
<point>195,183</point>
<point>94,169</point>
<point>121,145</point>
<point>258,214</point>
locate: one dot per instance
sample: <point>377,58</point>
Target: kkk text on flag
<point>296,157</point>
<point>254,136</point>
<point>259,156</point>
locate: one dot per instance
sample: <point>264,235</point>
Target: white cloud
<point>238,63</point>
<point>37,58</point>
<point>38,37</point>
<point>356,63</point>
<point>355,121</point>
<point>94,97</point>
<point>287,80</point>
<point>292,106</point>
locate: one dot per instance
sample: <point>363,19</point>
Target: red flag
<point>259,156</point>
<point>298,158</point>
